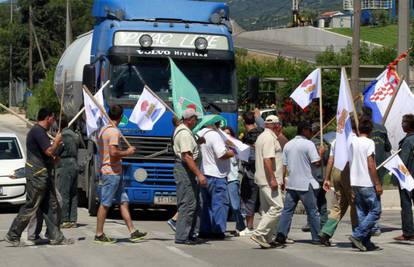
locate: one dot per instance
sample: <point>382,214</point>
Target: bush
<point>45,93</point>
<point>289,131</point>
<point>32,108</point>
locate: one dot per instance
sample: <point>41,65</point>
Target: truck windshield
<point>213,79</point>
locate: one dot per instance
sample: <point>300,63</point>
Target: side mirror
<point>253,88</point>
<point>88,78</point>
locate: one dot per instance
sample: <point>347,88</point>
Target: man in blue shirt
<point>298,156</point>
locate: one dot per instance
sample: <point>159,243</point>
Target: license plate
<point>165,200</point>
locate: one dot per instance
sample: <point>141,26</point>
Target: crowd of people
<point>277,175</point>
<point>211,179</point>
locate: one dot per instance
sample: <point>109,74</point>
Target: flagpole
<point>22,119</point>
<point>103,111</point>
<point>353,104</point>
<point>321,117</point>
<point>61,100</point>
<point>83,109</point>
<point>152,92</point>
<point>387,111</point>
<point>389,158</point>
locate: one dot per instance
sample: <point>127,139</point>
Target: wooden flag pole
<point>103,111</point>
<point>321,119</point>
<point>22,119</point>
<point>61,101</point>
<point>353,104</point>
<point>76,117</point>
<point>387,111</point>
<point>83,108</point>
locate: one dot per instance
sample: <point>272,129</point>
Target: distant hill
<point>261,14</point>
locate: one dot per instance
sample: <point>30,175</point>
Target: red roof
<point>331,13</point>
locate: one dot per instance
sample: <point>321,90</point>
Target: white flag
<point>147,111</point>
<point>242,150</point>
<point>308,90</point>
<point>403,104</point>
<point>344,129</point>
<point>94,117</point>
<point>397,167</point>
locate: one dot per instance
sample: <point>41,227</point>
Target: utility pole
<point>68,24</point>
<point>11,58</point>
<point>403,36</point>
<point>30,49</point>
<point>355,50</point>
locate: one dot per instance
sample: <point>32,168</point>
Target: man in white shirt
<point>215,166</point>
<point>366,187</point>
<point>268,176</point>
<point>298,156</point>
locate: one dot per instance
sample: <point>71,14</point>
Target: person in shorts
<point>112,186</point>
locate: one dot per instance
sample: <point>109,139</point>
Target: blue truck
<point>139,36</point>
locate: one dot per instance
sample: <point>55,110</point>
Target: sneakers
<point>65,225</point>
<point>376,232</point>
<point>357,243</point>
<point>372,247</point>
<point>189,242</point>
<point>260,240</point>
<point>137,236</point>
<point>246,232</point>
<point>171,223</point>
<point>289,241</point>
<point>103,239</point>
<point>13,242</point>
<point>64,241</point>
<point>325,240</point>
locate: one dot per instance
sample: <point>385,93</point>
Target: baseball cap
<point>188,113</point>
<point>272,119</point>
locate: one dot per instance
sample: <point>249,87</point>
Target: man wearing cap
<point>298,156</point>
<point>268,177</point>
<point>215,165</point>
<point>186,172</point>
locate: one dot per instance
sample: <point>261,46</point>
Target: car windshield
<point>213,79</point>
<point>9,149</point>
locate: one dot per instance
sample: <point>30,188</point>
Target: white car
<point>12,174</point>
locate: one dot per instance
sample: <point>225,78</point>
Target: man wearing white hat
<point>269,177</point>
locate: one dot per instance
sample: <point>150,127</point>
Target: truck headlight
<point>145,41</point>
<point>201,43</point>
<point>140,175</point>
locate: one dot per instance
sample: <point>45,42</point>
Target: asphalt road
<point>284,50</point>
<point>160,250</point>
<point>10,124</point>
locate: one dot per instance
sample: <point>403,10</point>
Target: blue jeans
<point>215,206</point>
<point>112,190</point>
<point>309,201</point>
<point>368,209</point>
<point>233,187</point>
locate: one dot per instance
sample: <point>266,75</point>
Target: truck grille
<point>160,175</point>
<point>147,146</point>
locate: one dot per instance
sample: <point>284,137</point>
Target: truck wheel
<point>92,202</point>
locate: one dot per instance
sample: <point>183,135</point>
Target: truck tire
<point>92,194</point>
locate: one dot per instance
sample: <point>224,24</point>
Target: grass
<point>386,35</point>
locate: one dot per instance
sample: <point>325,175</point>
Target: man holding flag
<point>407,196</point>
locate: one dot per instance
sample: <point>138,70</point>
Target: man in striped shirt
<point>112,186</point>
